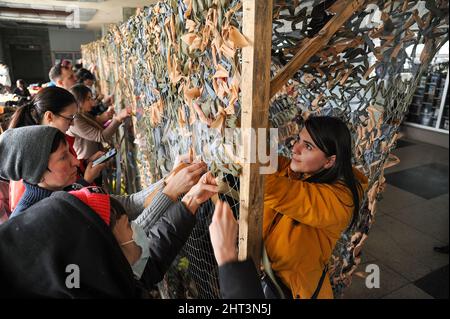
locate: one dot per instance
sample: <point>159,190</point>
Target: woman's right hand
<point>105,116</point>
<point>99,97</point>
<point>109,100</point>
<point>205,188</point>
<point>181,182</point>
<point>123,114</point>
<point>223,232</point>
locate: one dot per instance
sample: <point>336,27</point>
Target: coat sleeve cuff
<point>240,280</point>
<point>157,209</point>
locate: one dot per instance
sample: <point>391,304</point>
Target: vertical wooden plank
<point>255,87</point>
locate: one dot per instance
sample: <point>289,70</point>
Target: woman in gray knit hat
<point>56,107</point>
<point>40,156</point>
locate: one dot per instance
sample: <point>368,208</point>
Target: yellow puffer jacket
<point>302,223</point>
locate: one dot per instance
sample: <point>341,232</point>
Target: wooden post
<point>344,10</point>
<point>255,87</point>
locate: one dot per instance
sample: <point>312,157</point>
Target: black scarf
<point>38,247</point>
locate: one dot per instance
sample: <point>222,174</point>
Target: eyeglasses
<point>70,119</point>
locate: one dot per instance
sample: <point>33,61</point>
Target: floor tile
<point>409,291</point>
<point>440,201</point>
<point>395,198</point>
<point>403,143</point>
<point>435,283</point>
<point>366,258</point>
<point>427,217</point>
<point>379,211</point>
<point>417,155</point>
<point>389,282</point>
<point>427,181</point>
<point>406,228</point>
<point>404,249</point>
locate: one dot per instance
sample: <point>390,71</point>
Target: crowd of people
<point>58,215</point>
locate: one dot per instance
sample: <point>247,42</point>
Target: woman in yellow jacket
<point>308,203</point>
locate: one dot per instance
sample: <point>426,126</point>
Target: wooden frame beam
<point>344,10</point>
<point>256,60</point>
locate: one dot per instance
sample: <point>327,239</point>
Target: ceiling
<point>88,14</point>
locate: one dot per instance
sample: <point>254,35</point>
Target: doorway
<point>27,63</point>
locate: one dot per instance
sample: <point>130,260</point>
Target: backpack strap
<point>269,272</point>
<point>319,285</point>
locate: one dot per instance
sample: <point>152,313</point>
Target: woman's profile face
<point>89,103</point>
<point>64,120</point>
<point>61,169</point>
<point>306,156</point>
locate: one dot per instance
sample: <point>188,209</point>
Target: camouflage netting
<point>177,63</point>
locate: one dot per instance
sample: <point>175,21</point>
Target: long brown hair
<point>80,92</point>
<point>332,136</point>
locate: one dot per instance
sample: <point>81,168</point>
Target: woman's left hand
<point>205,188</point>
<point>91,173</point>
<point>224,231</point>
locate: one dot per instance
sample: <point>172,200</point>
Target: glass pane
<point>427,98</point>
<point>426,102</point>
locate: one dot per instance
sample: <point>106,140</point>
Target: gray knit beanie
<point>25,151</point>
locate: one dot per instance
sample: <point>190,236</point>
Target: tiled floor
<point>412,218</point>
<point>430,176</point>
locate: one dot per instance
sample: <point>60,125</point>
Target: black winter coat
<point>39,249</point>
<point>239,280</point>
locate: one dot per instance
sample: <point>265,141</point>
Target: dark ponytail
<point>332,137</point>
<point>53,99</point>
<point>24,116</point>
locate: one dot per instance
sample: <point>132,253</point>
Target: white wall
<point>426,136</point>
<point>69,40</point>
